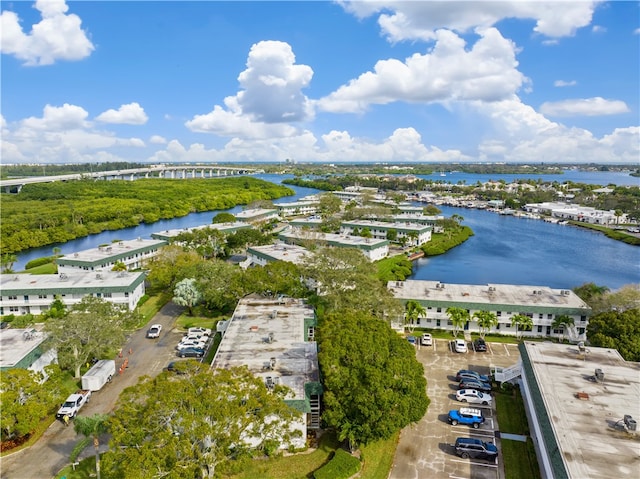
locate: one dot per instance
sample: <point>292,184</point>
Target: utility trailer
<point>99,375</point>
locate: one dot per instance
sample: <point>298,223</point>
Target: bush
<point>34,263</point>
<point>342,466</point>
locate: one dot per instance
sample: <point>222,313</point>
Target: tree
<point>414,310</point>
<point>392,234</point>
<point>275,278</point>
<point>186,293</point>
<point>348,281</point>
<point>459,318</point>
<point>91,329</point>
<point>171,265</point>
<point>25,402</point>
<point>374,386</point>
<point>57,308</point>
<point>617,330</point>
<point>522,322</point>
<point>486,320</point>
<point>92,427</point>
<point>627,297</point>
<point>431,210</point>
<point>223,218</point>
<point>207,242</point>
<point>119,266</point>
<point>589,292</point>
<point>562,321</point>
<point>6,262</point>
<point>329,205</point>
<point>220,283</point>
<point>195,425</point>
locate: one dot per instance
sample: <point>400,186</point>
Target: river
<point>504,249</point>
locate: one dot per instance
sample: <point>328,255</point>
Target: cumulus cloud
<point>270,99</point>
<point>130,114</point>
<point>54,118</point>
<point>598,29</point>
<point>158,140</point>
<point>57,36</point>
<point>488,72</point>
<point>563,83</point>
<point>401,20</point>
<point>596,106</point>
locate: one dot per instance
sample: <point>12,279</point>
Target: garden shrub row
<point>341,466</point>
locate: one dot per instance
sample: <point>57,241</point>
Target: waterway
<point>504,249</point>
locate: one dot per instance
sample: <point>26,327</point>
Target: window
<point>558,331</point>
<point>498,326</point>
<point>439,310</point>
<point>26,297</point>
<point>418,321</point>
<point>539,329</point>
<point>583,319</point>
<point>449,323</point>
<point>126,295</point>
<point>438,323</point>
<point>498,313</point>
<point>42,296</point>
<point>540,316</point>
<point>508,325</point>
<point>14,309</point>
<point>107,295</point>
<point>98,295</point>
<point>580,330</point>
<point>12,297</point>
<point>549,316</point>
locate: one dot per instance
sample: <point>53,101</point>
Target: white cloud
<point>598,29</point>
<point>270,99</point>
<point>636,31</point>
<point>130,114</point>
<point>488,72</point>
<point>158,140</point>
<point>419,20</point>
<point>56,37</point>
<point>136,142</point>
<point>65,117</point>
<point>596,106</point>
<point>563,83</point>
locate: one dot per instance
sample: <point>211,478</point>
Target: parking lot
<point>425,449</point>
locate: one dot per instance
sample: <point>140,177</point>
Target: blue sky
<point>387,81</point>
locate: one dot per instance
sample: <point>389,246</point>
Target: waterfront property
<point>412,234</point>
<point>309,207</point>
<point>133,254</point>
<point>22,349</point>
<point>542,304</point>
<point>582,406</point>
<point>585,214</point>
<point>257,215</point>
<point>261,255</point>
<point>274,338</point>
<point>168,235</point>
<point>34,293</point>
<point>373,249</point>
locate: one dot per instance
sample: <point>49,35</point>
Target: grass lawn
<point>378,458</point>
<point>151,306</point>
<point>85,470</point>
<point>519,457</point>
<point>48,268</point>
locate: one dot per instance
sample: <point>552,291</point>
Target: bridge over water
<point>156,171</point>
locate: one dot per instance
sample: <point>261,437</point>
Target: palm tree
<point>459,317</point>
<point>92,427</point>
<point>562,322</point>
<point>522,323</point>
<point>414,310</point>
<point>119,266</point>
<point>486,320</point>
<point>6,262</point>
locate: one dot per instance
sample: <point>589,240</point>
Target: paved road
<point>51,453</point>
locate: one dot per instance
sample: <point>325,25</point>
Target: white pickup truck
<point>73,404</point>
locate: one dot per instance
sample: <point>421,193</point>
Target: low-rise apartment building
<point>585,214</point>
<point>413,234</point>
<point>373,249</point>
<point>257,215</point>
<point>542,304</point>
<point>261,255</point>
<point>34,293</point>
<point>297,208</point>
<point>168,235</point>
<point>133,254</point>
<point>22,349</point>
<point>274,338</point>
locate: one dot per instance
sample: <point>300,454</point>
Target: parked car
<point>191,352</point>
<point>468,374</point>
<point>154,331</point>
<point>191,344</point>
<point>183,367</point>
<point>466,415</point>
<point>195,337</point>
<point>477,385</point>
<point>479,345</point>
<point>427,339</point>
<point>460,346</point>
<point>202,331</point>
<point>467,447</point>
<point>473,396</point>
<point>411,339</point>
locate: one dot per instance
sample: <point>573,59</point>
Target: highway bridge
<point>155,171</point>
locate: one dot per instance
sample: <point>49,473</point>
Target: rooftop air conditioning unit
<point>630,422</point>
<point>492,288</point>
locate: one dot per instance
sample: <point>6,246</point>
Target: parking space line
<point>484,464</point>
<point>506,349</point>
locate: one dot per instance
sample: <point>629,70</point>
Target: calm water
<point>589,177</point>
<point>504,249</point>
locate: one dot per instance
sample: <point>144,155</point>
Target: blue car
<point>466,415</point>
<point>191,353</point>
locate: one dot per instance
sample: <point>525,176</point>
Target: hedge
<point>38,262</point>
<point>342,466</point>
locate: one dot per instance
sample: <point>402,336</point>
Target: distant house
<point>133,254</point>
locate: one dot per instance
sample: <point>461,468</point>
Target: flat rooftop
<point>15,344</point>
<point>11,284</point>
<point>255,213</point>
<point>120,248</point>
<point>494,294</point>
<point>281,252</point>
<point>590,443</point>
<point>386,225</point>
<point>222,227</point>
<point>246,342</point>
<point>331,238</point>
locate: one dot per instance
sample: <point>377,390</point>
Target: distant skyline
<point>386,81</point>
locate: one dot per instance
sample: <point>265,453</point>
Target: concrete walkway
<point>51,453</point>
